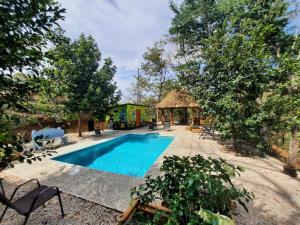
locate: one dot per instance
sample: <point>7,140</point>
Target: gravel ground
<point>77,210</point>
<point>80,211</point>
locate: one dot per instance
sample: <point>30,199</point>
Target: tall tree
<point>284,100</point>
<point>138,88</point>
<point>77,77</point>
<point>156,71</point>
<point>24,30</point>
<point>294,100</point>
<point>102,93</point>
<point>234,60</point>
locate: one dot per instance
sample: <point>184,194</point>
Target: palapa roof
<point>177,99</point>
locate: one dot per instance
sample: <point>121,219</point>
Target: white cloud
<point>123,29</point>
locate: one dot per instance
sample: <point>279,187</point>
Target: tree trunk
<point>235,144</point>
<point>293,148</point>
<point>192,110</point>
<point>234,138</point>
<point>282,139</point>
<point>79,125</point>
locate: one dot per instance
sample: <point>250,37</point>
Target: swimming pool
<point>130,154</point>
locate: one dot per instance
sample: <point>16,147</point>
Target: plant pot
<point>151,209</point>
<point>289,170</point>
<point>188,128</point>
<point>196,130</point>
<point>128,213</point>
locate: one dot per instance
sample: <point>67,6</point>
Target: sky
<point>123,29</point>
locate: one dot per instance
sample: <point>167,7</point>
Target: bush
<point>190,186</point>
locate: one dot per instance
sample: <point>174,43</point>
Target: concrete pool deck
<point>277,196</point>
<point>108,189</point>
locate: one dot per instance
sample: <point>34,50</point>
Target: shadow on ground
<point>78,211</point>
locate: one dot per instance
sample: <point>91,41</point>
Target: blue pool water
<point>131,154</point>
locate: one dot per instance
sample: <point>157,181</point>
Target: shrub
<point>191,185</point>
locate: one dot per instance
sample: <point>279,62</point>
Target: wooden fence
<point>69,127</point>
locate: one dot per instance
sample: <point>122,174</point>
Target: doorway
<point>138,118</point>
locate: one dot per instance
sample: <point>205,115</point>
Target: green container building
<point>129,116</point>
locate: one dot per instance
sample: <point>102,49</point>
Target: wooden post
<point>192,110</point>
<point>198,115</point>
<point>162,116</point>
<point>171,117</point>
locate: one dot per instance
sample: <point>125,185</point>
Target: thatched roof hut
<point>177,99</point>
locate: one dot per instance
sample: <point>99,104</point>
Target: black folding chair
<point>151,126</point>
<point>26,204</point>
<point>208,130</point>
<point>154,122</point>
<point>91,127</point>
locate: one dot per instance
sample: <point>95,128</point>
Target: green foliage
<point>191,184</point>
<point>284,99</point>
<point>138,93</point>
<point>194,21</point>
<point>157,77</point>
<point>24,32</point>
<point>10,149</point>
<point>230,51</point>
<point>215,218</point>
<point>24,26</point>
<point>102,90</point>
<point>74,64</point>
<point>75,74</point>
<point>14,120</point>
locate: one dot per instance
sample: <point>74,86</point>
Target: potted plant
<point>190,191</point>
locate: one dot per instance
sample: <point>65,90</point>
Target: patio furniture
<point>26,204</point>
<point>167,126</point>
<point>154,122</point>
<point>151,126</point>
<point>1,186</point>
<point>207,130</point>
<point>97,131</point>
<point>91,127</point>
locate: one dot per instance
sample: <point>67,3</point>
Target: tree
<point>231,61</point>
<point>294,100</point>
<point>102,92</point>
<point>156,71</point>
<point>24,30</point>
<point>194,21</point>
<point>138,89</point>
<point>77,77</point>
<point>284,100</point>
